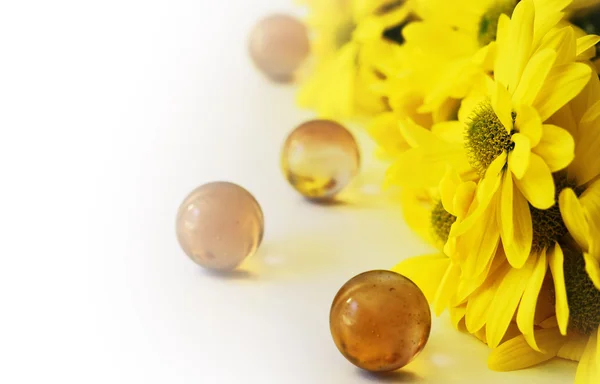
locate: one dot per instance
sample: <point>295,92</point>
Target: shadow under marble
<point>399,376</point>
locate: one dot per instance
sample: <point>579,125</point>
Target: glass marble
<point>380,321</point>
<point>319,158</point>
<point>278,45</point>
<point>219,224</point>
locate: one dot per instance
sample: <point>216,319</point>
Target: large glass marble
<point>320,158</point>
<point>219,224</point>
<point>380,321</point>
<point>278,46</point>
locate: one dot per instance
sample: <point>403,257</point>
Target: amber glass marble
<point>319,158</point>
<point>219,224</point>
<point>278,45</point>
<point>380,321</point>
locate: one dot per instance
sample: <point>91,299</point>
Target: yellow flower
<point>525,317</point>
<point>581,341</point>
<point>431,152</point>
<point>510,141</point>
<point>404,87</point>
<point>426,214</point>
<point>417,205</point>
<point>449,47</point>
<point>579,201</point>
<point>529,234</point>
<point>457,38</point>
<point>338,83</point>
<point>514,142</point>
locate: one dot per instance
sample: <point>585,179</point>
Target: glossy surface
<point>380,321</point>
<point>219,224</point>
<point>319,158</point>
<point>278,45</point>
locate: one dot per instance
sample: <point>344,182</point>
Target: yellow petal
<point>502,106</point>
<point>450,247</point>
<point>574,347</point>
<point>534,76</point>
<point>518,158</point>
<point>561,86</point>
<point>481,335</point>
<point>425,271</point>
<point>586,165</point>
<point>520,40</point>
<point>456,315</point>
<point>464,198</point>
<point>506,300</point>
<point>448,186</point>
<point>563,42</point>
<point>518,249</point>
<point>450,131</point>
<point>528,123</point>
<point>485,191</point>
<point>504,52</point>
<point>537,184</point>
<point>416,211</point>
<point>516,354</point>
<point>477,308</point>
<point>574,217</point>
<point>588,368</point>
<point>590,201</point>
<point>467,287</point>
<point>383,128</point>
<point>548,15</point>
<point>478,305</point>
<point>480,243</point>
<point>585,43</point>
<point>506,209</point>
<point>331,90</point>
<point>593,269</point>
<point>556,261</point>
<point>426,162</point>
<point>526,314</point>
<point>557,147</point>
<point>417,136</point>
<point>446,289</point>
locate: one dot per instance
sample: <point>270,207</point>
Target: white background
<point>110,113</point>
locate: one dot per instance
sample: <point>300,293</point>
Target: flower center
<point>441,222</point>
<point>548,225</point>
<point>486,138</point>
<point>582,295</point>
<point>488,24</point>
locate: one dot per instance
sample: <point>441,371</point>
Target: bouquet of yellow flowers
<point>489,113</point>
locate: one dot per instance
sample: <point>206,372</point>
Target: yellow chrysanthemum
<point>529,234</point>
<point>510,300</point>
<point>581,341</point>
<point>510,142</point>
<point>346,32</point>
<point>457,37</point>
<point>405,87</point>
<point>551,305</point>
<point>448,47</point>
<point>579,200</point>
